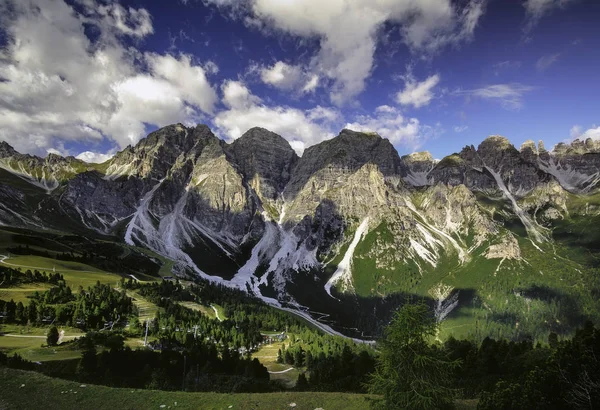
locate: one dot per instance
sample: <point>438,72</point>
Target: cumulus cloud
<point>59,85</point>
<point>288,77</point>
<point>391,124</point>
<point>302,128</point>
<point>544,62</point>
<point>95,157</point>
<point>536,9</point>
<point>578,133</point>
<point>348,31</point>
<point>510,96</point>
<point>282,75</point>
<point>130,22</point>
<point>417,94</point>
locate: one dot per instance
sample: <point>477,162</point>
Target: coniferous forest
<point>192,352</point>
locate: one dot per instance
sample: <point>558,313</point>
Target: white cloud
<point>578,133</point>
<point>593,133</point>
<point>460,128</point>
<point>544,62</point>
<point>348,31</point>
<point>575,131</point>
<point>417,94</point>
<point>131,22</point>
<point>536,9</point>
<point>312,84</point>
<point>95,157</point>
<point>390,124</point>
<point>61,86</point>
<point>510,96</point>
<point>281,75</point>
<point>385,109</point>
<point>55,151</point>
<point>301,128</point>
<point>237,96</point>
<point>288,77</point>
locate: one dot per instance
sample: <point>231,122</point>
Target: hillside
<point>497,240</point>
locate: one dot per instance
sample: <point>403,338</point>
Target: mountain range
<point>499,240</point>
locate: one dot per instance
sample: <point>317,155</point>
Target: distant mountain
<point>499,240</point>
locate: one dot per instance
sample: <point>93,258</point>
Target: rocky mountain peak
<point>528,145</point>
<point>262,154</point>
<point>541,147</point>
<point>577,147</point>
<point>423,156</point>
<point>415,168</point>
<point>529,151</point>
<point>352,149</point>
<point>346,153</point>
<point>6,150</point>
<point>495,143</point>
<point>154,155</point>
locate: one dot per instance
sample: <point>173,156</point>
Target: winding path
<point>283,371</point>
<point>216,312</point>
<point>39,337</point>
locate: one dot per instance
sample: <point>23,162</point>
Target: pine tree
<point>299,357</point>
<point>52,336</point>
<point>301,383</point>
<point>411,373</point>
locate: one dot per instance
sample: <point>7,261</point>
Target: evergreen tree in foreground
<point>411,373</point>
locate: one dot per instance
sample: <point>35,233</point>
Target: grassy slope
<point>26,390</point>
<point>146,309</point>
<point>492,301</point>
<point>27,342</point>
<point>76,274</point>
<point>267,355</point>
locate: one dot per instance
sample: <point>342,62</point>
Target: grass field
<point>75,274</point>
<point>27,390</point>
<point>22,293</point>
<point>27,342</point>
<point>205,310</point>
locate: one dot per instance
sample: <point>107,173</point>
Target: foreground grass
<point>28,390</point>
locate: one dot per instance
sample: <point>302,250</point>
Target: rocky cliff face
<point>46,173</point>
<point>350,213</point>
<point>266,160</point>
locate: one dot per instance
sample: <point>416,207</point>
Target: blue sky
<point>92,76</point>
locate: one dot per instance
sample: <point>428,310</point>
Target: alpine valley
<point>499,241</point>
